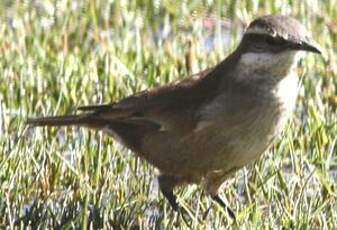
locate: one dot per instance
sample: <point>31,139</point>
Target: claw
<point>223,204</point>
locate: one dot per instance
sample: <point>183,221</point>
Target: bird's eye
<point>274,41</point>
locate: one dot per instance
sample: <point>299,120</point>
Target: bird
<point>203,128</point>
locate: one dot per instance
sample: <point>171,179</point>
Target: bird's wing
<point>170,107</point>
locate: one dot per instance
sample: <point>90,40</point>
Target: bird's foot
<point>223,204</point>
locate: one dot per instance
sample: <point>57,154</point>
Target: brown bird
<point>207,126</point>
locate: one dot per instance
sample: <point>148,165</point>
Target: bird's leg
<point>166,185</point>
<point>223,204</point>
<point>214,180</point>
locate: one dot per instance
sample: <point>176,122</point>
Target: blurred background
<point>57,55</point>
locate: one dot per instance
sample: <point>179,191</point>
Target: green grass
<point>57,55</point>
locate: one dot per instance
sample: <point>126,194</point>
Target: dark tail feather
<point>102,107</point>
<point>81,120</point>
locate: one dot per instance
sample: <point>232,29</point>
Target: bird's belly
<point>246,150</point>
<point>221,148</point>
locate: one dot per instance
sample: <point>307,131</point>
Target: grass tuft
<point>58,55</point>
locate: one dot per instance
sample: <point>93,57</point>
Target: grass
<point>57,55</point>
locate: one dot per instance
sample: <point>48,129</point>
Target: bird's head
<point>271,45</point>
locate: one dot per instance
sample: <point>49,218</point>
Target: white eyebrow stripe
<point>259,30</point>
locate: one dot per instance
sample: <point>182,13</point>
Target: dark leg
<point>222,203</point>
<point>166,185</point>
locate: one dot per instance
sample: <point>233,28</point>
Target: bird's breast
<point>267,120</point>
<point>245,125</point>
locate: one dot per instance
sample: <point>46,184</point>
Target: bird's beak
<point>306,46</point>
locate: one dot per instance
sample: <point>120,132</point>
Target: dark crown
<point>279,25</point>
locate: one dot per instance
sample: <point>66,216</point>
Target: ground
<point>57,55</point>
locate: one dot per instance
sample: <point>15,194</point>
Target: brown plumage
<point>207,126</point>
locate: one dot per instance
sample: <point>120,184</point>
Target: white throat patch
<point>271,64</point>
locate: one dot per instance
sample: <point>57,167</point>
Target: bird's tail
<point>88,120</point>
